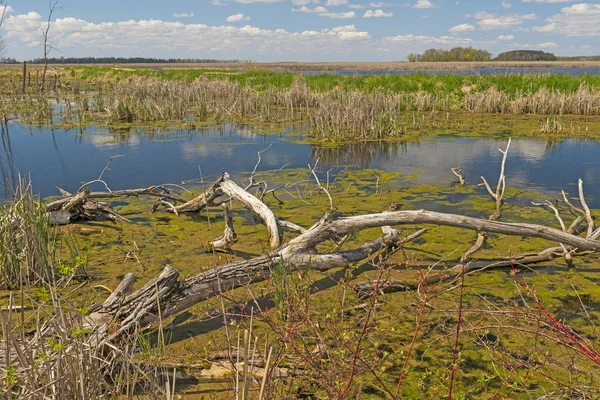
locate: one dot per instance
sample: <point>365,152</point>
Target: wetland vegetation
<point>332,283</point>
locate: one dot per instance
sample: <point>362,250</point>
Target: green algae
<point>163,238</point>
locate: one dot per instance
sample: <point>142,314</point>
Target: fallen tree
<point>112,322</point>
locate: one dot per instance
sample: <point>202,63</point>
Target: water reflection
<point>7,164</point>
<point>65,158</point>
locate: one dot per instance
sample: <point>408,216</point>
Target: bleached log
<point>229,237</point>
<point>174,296</point>
<point>251,202</point>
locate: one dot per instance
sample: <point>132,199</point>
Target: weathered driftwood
<point>155,191</point>
<point>459,174</point>
<point>205,199</point>
<point>301,252</point>
<point>229,237</point>
<point>251,202</point>
<point>224,186</point>
<point>498,196</point>
<point>366,288</point>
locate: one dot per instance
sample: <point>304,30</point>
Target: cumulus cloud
<point>425,4</point>
<point>488,21</point>
<point>548,1</point>
<point>339,15</point>
<point>217,3</point>
<point>576,20</point>
<point>237,18</point>
<point>257,1</point>
<point>506,37</point>
<point>461,28</point>
<point>428,40</point>
<point>316,10</point>
<point>322,12</point>
<point>75,36</point>
<point>183,15</point>
<point>505,4</point>
<point>547,45</point>
<point>336,3</point>
<point>377,14</point>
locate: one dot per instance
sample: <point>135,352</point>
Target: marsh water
<point>67,158</point>
<point>575,71</point>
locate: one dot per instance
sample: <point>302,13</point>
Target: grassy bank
<point>337,107</point>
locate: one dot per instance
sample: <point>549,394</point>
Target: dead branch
<point>587,213</point>
<point>459,174</point>
<point>159,191</point>
<point>174,296</point>
<point>498,196</point>
<point>229,237</point>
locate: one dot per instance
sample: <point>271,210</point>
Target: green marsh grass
<point>27,239</point>
<point>338,107</point>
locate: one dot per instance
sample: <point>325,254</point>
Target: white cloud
<point>548,1</point>
<point>461,28</point>
<point>425,4</point>
<point>506,37</point>
<point>5,10</point>
<point>377,14</point>
<point>576,20</point>
<point>237,18</point>
<point>343,15</point>
<point>257,1</point>
<point>336,3</point>
<point>217,3</point>
<point>488,21</point>
<point>76,37</point>
<point>505,4</point>
<point>183,15</point>
<point>547,45</point>
<point>428,40</point>
<point>304,2</point>
<point>357,6</point>
<point>322,12</point>
<point>316,10</point>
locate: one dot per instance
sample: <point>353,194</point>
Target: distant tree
<point>125,60</point>
<point>526,55</point>
<point>454,54</point>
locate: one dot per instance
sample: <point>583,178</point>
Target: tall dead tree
<point>46,37</point>
<point>3,7</point>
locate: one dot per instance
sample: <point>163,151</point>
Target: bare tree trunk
<point>24,75</point>
<point>47,45</point>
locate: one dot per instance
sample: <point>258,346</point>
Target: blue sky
<point>299,30</point>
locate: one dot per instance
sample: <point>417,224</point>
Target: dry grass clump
<point>584,101</point>
<point>337,109</point>
<point>27,239</point>
<point>61,359</point>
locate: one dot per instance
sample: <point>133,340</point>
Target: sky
<point>297,30</point>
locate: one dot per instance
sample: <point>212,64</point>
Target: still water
<point>576,71</point>
<point>60,158</point>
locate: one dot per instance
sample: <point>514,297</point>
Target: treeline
<point>471,54</point>
<point>125,60</point>
<point>525,55</point>
<point>455,54</point>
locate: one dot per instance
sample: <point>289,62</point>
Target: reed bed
<point>337,107</point>
<point>65,361</point>
<point>27,240</point>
